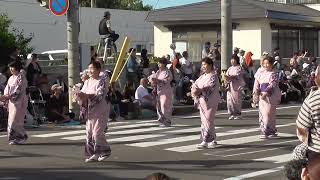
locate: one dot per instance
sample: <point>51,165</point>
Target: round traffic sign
<point>59,7</point>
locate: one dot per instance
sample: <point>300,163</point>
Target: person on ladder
<point>105,29</point>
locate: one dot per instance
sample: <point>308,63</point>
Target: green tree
<point>12,38</point>
<point>136,5</point>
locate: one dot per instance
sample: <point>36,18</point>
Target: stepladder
<point>107,50</point>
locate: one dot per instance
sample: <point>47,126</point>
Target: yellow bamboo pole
<point>124,65</point>
<point>120,60</point>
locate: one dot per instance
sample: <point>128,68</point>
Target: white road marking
<point>255,174</point>
<point>84,131</point>
<point>277,159</point>
<point>234,141</point>
<point>244,111</point>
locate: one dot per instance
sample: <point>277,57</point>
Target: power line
<point>154,7</point>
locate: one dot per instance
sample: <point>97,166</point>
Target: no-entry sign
<point>59,7</point>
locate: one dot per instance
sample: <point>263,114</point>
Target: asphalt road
<point>140,148</point>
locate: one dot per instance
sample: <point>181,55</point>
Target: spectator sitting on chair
<point>56,106</point>
<point>146,100</point>
<point>43,85</point>
<point>115,99</point>
<point>60,82</point>
<point>105,27</point>
<point>127,103</point>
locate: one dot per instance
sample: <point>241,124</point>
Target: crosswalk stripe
<point>187,138</point>
<point>277,159</point>
<point>129,122</point>
<point>234,141</point>
<point>132,131</point>
<point>137,137</point>
<point>84,131</point>
<point>60,133</point>
<point>243,111</point>
<point>195,137</point>
<point>126,132</point>
<point>3,136</point>
<point>256,173</point>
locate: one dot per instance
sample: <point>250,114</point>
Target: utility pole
<point>73,50</point>
<point>93,3</point>
<point>226,35</point>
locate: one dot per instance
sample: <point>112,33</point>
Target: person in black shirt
<point>144,62</point>
<point>33,71</point>
<point>115,100</point>
<point>56,105</point>
<point>105,27</point>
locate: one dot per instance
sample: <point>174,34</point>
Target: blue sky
<point>169,3</point>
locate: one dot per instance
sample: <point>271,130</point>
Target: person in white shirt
<point>172,52</point>
<point>186,65</point>
<point>206,50</point>
<point>145,99</point>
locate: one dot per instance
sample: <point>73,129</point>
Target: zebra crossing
<point>181,138</point>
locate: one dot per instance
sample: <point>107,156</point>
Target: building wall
<point>49,31</point>
<point>317,7</point>
<point>254,36</point>
<point>162,40</point>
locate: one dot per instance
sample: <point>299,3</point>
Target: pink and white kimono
<point>164,96</point>
<point>96,112</point>
<point>236,82</point>
<point>207,102</point>
<point>17,107</point>
<point>267,82</point>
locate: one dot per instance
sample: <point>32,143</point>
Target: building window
<point>139,47</point>
<point>194,42</point>
<point>290,41</point>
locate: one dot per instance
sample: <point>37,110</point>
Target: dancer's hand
<point>197,92</point>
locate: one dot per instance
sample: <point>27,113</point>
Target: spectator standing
<point>133,68</point>
<point>33,71</point>
<point>144,63</point>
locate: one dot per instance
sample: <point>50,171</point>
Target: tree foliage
<point>136,5</point>
<point>12,37</point>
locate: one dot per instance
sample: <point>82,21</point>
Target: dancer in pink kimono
<point>254,104</point>
<point>267,93</point>
<point>15,96</point>
<point>235,84</point>
<point>95,109</point>
<point>162,79</point>
<point>205,91</point>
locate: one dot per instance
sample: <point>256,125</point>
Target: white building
<point>49,31</point>
<point>258,25</point>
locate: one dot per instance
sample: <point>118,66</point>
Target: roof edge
<point>180,6</point>
<point>291,16</point>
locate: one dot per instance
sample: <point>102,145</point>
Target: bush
<point>10,39</point>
